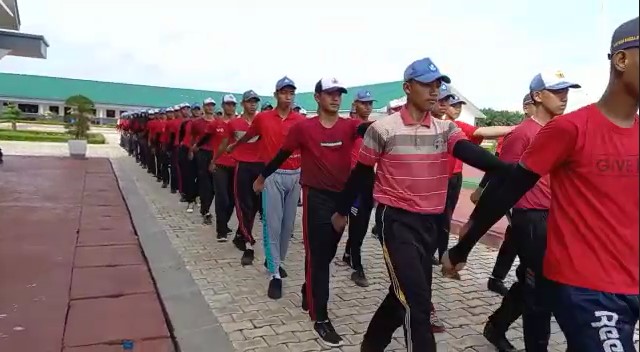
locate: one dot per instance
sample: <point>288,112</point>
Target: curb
<point>190,319</point>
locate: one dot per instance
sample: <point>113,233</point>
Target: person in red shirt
<point>280,191</point>
<point>161,148</point>
<point>173,126</point>
<point>203,154</point>
<point>508,251</point>
<point>529,226</point>
<point>223,168</point>
<point>325,143</point>
<point>151,136</point>
<point>591,156</point>
<point>450,107</point>
<point>249,165</point>
<point>361,211</point>
<point>409,150</point>
<point>188,171</point>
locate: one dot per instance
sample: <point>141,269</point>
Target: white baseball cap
<point>229,98</point>
<point>326,84</point>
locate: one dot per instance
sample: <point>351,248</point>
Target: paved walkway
<point>252,322</point>
<point>72,274</point>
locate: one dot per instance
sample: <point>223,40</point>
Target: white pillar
<point>41,109</point>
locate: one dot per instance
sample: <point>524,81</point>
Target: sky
<point>491,49</point>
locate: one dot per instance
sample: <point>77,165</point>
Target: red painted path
<point>72,274</point>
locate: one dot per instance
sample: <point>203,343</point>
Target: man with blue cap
<point>361,211</point>
<point>528,224</point>
<point>409,152</point>
<point>280,192</point>
<point>589,272</point>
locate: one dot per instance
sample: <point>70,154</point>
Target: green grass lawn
<point>36,122</point>
<point>41,136</point>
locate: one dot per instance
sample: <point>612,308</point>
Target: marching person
<point>185,158</point>
<point>590,278</point>
<point>361,210</point>
<point>325,143</point>
<point>280,191</point>
<point>249,166</point>
<point>203,154</point>
<point>411,200</point>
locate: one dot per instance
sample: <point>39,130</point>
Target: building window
<point>28,108</point>
<point>111,113</point>
<point>54,110</point>
<point>67,111</point>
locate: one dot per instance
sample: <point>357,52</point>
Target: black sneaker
<point>327,334</point>
<point>222,237</point>
<point>275,289</point>
<point>206,219</point>
<point>239,242</point>
<point>174,191</point>
<point>164,185</point>
<point>183,198</point>
<point>247,257</point>
<point>497,339</point>
<point>497,286</point>
<point>435,260</point>
<point>158,179</point>
<point>359,278</point>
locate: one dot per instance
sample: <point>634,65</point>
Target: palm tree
<point>13,114</point>
<point>81,112</point>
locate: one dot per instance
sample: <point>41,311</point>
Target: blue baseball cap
<point>364,96</point>
<point>425,71</point>
<point>285,82</point>
<point>625,36</point>
<point>551,81</point>
<point>195,106</point>
<point>445,92</point>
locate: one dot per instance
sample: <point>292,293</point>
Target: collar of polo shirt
<point>408,120</point>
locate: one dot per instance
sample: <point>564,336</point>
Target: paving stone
<point>107,320</point>
<point>110,281</point>
<point>107,237</point>
<point>108,256</point>
<point>160,345</point>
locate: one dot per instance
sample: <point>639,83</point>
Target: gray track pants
<point>279,203</point>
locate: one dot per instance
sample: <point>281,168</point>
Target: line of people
<point>408,167</point>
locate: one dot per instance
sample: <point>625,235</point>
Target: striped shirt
<point>412,160</point>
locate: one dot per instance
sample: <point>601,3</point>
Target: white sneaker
<point>190,208</point>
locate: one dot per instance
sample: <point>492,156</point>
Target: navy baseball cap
<point>265,105</point>
<point>625,36</point>
<point>527,99</point>
<point>551,81</point>
<point>285,82</point>
<point>364,96</point>
<point>456,100</point>
<point>445,92</point>
<point>195,106</point>
<point>425,71</point>
<point>250,94</point>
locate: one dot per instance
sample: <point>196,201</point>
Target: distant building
<point>42,95</point>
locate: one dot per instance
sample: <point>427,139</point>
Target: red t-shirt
<point>154,127</point>
<point>245,152</point>
<point>592,231</point>
<point>198,128</point>
<point>188,133</point>
<point>456,165</point>
<point>226,159</point>
<point>273,130</point>
<point>499,145</point>
<point>173,126</point>
<point>325,152</point>
<point>355,152</point>
<point>162,137</point>
<point>515,144</point>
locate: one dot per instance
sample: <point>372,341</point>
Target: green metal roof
<point>109,93</point>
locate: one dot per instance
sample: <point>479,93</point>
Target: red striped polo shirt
<point>412,160</point>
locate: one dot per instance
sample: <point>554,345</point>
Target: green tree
<point>500,118</point>
<point>13,114</point>
<point>81,112</point>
